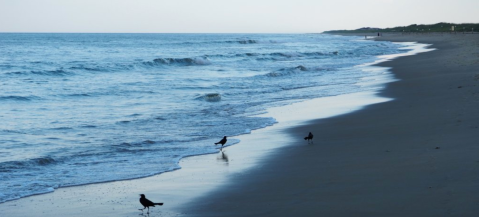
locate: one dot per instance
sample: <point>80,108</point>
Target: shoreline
<point>104,187</point>
<point>198,175</point>
<point>413,156</point>
<point>209,204</point>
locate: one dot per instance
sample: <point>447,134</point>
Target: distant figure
<point>309,137</point>
<point>147,203</point>
<point>222,142</point>
<point>378,34</point>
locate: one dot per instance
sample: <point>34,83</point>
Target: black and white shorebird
<point>309,137</point>
<point>147,203</point>
<point>222,142</point>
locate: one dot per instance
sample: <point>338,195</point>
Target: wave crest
<point>287,71</point>
<point>247,41</point>
<point>58,72</point>
<point>180,61</point>
<point>13,165</point>
<point>210,97</point>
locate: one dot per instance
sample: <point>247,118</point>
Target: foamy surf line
<point>199,174</point>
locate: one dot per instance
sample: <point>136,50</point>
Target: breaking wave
<point>179,61</point>
<point>287,71</point>
<point>210,97</point>
<point>58,72</point>
<point>13,165</point>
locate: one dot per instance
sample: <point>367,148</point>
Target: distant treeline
<point>438,27</point>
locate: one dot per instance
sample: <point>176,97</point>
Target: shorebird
<point>222,142</point>
<point>147,203</point>
<point>309,137</point>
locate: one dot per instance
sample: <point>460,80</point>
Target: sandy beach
<point>415,155</point>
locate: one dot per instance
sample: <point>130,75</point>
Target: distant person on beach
<point>309,137</point>
<point>222,142</point>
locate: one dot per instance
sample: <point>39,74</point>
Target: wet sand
<point>417,155</point>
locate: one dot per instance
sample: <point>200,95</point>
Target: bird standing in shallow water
<point>222,142</point>
<point>309,137</point>
<point>147,203</point>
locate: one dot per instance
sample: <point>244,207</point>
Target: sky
<point>226,16</point>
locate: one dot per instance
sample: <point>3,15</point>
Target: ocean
<point>78,109</point>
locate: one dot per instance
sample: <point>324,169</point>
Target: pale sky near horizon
<point>226,16</point>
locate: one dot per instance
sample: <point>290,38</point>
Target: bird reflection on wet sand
<point>222,156</point>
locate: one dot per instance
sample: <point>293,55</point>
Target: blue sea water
<point>86,108</point>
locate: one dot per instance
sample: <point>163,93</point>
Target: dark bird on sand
<point>309,137</point>
<point>147,203</point>
<point>222,142</point>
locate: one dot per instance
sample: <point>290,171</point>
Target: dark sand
<point>417,155</point>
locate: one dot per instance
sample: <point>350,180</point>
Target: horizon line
<point>162,32</point>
